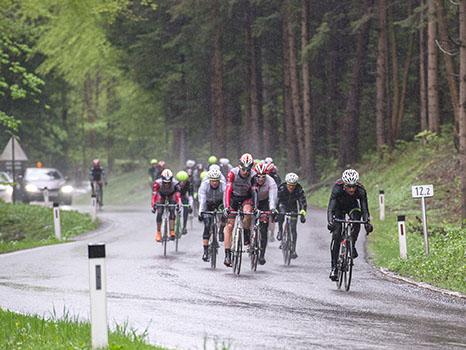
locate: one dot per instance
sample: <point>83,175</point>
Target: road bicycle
<point>255,248</point>
<point>165,223</point>
<point>213,238</point>
<point>287,237</point>
<point>345,254</point>
<point>238,240</point>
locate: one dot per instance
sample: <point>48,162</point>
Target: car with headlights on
<point>36,180</point>
<point>6,188</point>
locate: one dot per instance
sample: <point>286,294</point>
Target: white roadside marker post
<point>93,207</point>
<point>56,220</point>
<point>46,196</point>
<point>382,205</point>
<point>402,237</point>
<point>98,292</point>
<point>423,191</point>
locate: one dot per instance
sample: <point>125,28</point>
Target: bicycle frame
<point>287,238</point>
<point>165,223</point>
<point>213,240</point>
<point>261,217</point>
<point>345,258</point>
<point>238,239</point>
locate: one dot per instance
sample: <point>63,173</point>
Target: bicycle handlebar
<point>212,212</point>
<point>351,221</point>
<point>165,205</point>
<point>240,212</point>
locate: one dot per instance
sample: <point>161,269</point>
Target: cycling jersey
<point>275,176</point>
<point>291,200</point>
<point>185,188</point>
<point>209,196</point>
<point>161,192</point>
<point>96,174</point>
<point>341,201</point>
<point>267,191</point>
<point>238,186</point>
<point>155,171</point>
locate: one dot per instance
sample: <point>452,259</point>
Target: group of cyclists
<point>252,186</point>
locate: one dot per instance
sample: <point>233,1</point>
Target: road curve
<point>183,304</point>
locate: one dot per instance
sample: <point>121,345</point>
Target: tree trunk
<point>291,146</point>
<point>404,87</point>
<point>462,108</point>
<point>308,122</point>
<point>218,141</point>
<point>432,67</point>
<point>381,75</point>
<point>253,77</point>
<point>449,64</point>
<point>349,136</point>
<point>422,73</point>
<point>395,84</point>
<point>294,84</point>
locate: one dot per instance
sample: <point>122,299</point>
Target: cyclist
<point>290,196</point>
<point>239,194</point>
<point>211,198</point>
<point>97,176</point>
<point>273,171</point>
<point>154,170</point>
<point>165,188</point>
<point>190,164</point>
<point>266,199</point>
<point>186,191</point>
<point>225,166</point>
<point>347,194</point>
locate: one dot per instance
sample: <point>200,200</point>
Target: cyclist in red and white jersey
<point>266,200</point>
<point>165,188</point>
<point>239,195</point>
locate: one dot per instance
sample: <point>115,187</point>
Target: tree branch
<point>449,53</point>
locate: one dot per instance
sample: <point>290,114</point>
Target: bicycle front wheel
<point>237,252</point>
<point>164,236</point>
<point>342,264</point>
<point>286,245</point>
<point>254,253</point>
<point>213,247</point>
<point>349,254</point>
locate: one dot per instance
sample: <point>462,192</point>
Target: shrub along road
<point>182,303</point>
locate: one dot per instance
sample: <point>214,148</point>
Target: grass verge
<point>430,160</point>
<point>129,188</point>
<point>26,226</point>
<point>36,333</point>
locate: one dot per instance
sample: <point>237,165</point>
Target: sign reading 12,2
<point>420,191</point>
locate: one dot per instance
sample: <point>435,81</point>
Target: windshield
<point>42,175</point>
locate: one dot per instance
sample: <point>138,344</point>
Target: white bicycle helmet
<point>291,179</point>
<point>190,163</point>
<point>224,161</point>
<point>350,177</point>
<point>214,167</point>
<point>214,174</point>
<point>167,175</point>
<point>268,160</point>
<point>246,161</point>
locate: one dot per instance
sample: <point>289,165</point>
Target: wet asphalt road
<point>183,304</point>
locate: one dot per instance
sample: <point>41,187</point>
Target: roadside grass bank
<point>129,188</point>
<point>429,159</point>
<point>25,226</point>
<point>37,333</point>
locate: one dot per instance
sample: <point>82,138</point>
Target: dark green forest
<point>315,84</point>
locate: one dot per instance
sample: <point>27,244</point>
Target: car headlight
<point>31,188</point>
<point>67,189</point>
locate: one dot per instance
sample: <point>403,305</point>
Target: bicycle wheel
<point>254,250</point>
<point>342,263</point>
<point>177,231</point>
<point>349,250</point>
<point>286,249</point>
<point>164,235</point>
<point>237,252</point>
<point>213,247</point>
